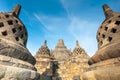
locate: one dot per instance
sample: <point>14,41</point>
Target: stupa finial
<point>77,44</point>
<point>107,11</point>
<point>16,10</point>
<point>45,43</point>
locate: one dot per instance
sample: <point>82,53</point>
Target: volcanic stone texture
<point>105,64</point>
<point>61,64</point>
<point>44,62</point>
<point>16,62</point>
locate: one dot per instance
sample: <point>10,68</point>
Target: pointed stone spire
<point>107,11</point>
<point>77,44</point>
<point>78,50</point>
<point>61,52</point>
<point>60,44</point>
<point>45,43</point>
<point>16,10</point>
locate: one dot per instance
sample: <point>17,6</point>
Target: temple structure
<point>44,62</point>
<point>75,65</point>
<point>16,62</point>
<point>105,64</point>
<point>61,63</point>
<point>61,53</point>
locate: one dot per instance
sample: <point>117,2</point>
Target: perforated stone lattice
<point>44,50</point>
<point>107,30</point>
<point>108,37</point>
<point>12,28</point>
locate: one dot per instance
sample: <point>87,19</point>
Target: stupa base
<point>15,69</point>
<point>104,70</point>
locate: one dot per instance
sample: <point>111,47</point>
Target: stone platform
<point>104,70</point>
<point>15,69</point>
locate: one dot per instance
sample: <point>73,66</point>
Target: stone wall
<point>71,69</point>
<point>61,64</point>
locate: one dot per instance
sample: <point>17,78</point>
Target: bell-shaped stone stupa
<point>16,62</point>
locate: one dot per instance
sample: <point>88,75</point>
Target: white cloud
<point>71,28</point>
<point>76,28</point>
<point>82,30</point>
<point>41,21</point>
<point>85,32</point>
<point>52,23</point>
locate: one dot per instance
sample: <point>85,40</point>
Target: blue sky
<point>69,20</point>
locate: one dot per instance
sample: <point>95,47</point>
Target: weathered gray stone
<point>13,37</point>
<point>108,37</point>
<point>61,64</point>
<point>17,73</point>
<point>105,64</point>
<point>60,52</point>
<point>16,62</point>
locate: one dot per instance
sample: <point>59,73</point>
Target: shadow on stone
<point>51,73</point>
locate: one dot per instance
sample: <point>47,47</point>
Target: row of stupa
<point>61,63</point>
<point>61,53</point>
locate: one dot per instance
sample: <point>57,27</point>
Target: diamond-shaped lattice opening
<point>99,33</point>
<point>106,28</point>
<point>13,30</point>
<point>10,22</point>
<point>109,21</point>
<point>20,28</point>
<point>103,36</point>
<point>1,24</point>
<point>117,22</point>
<point>4,33</point>
<point>113,30</point>
<point>7,16</point>
<point>16,21</point>
<point>17,39</point>
<point>109,39</point>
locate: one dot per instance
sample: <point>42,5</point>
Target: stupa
<point>79,51</point>
<point>105,64</point>
<point>16,62</point>
<point>44,50</point>
<point>61,63</point>
<point>60,52</point>
<point>44,62</point>
<point>75,65</point>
